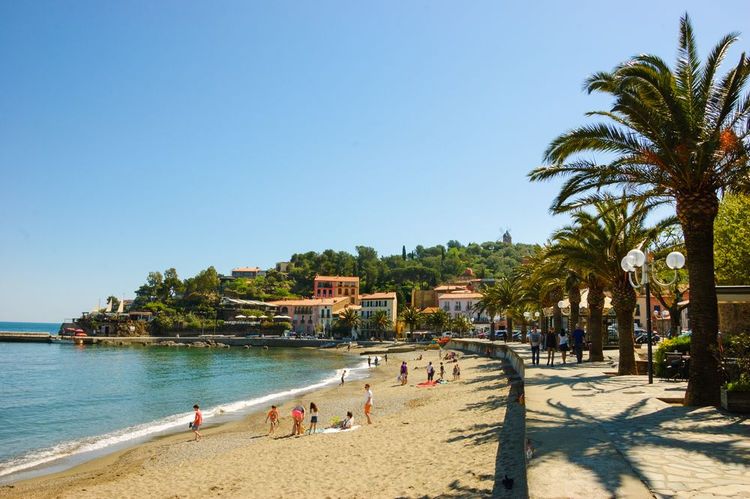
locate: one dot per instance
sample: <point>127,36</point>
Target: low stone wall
<point>511,457</point>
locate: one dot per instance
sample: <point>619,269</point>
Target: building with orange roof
<point>462,303</point>
<point>312,316</point>
<point>371,303</point>
<point>327,286</point>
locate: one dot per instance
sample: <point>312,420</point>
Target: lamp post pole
<point>647,289</point>
<point>638,259</point>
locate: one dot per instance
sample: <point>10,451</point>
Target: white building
<point>462,304</point>
<point>379,301</point>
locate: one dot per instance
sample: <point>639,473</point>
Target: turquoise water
<point>62,400</point>
<point>30,327</point>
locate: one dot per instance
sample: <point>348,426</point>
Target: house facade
<point>312,316</point>
<point>336,287</point>
<point>247,272</point>
<point>462,304</point>
<point>372,303</point>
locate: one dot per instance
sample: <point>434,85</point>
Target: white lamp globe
<point>561,304</point>
<point>639,258</point>
<point>627,264</point>
<point>527,315</point>
<point>675,260</point>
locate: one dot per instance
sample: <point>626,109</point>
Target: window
<point>457,306</point>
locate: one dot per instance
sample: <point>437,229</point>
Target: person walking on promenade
<point>535,339</point>
<point>197,422</point>
<point>404,373</point>
<point>368,403</point>
<point>430,372</point>
<point>562,342</point>
<point>579,337</point>
<point>550,341</point>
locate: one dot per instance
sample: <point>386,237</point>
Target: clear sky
<point>141,135</point>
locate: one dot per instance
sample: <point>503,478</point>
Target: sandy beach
<point>423,442</point>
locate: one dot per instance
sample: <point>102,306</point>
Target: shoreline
<point>409,421</point>
<point>218,418</point>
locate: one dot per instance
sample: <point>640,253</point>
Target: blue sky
<point>137,136</point>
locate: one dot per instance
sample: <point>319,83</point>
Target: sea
<point>62,404</point>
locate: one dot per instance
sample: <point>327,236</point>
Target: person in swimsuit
<point>343,373</point>
<point>197,422</point>
<point>368,403</point>
<point>273,416</point>
<point>313,417</point>
<point>404,373</point>
<point>298,415</point>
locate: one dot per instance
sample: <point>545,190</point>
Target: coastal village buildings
<point>374,302</point>
<point>312,316</point>
<point>325,286</point>
<point>462,304</point>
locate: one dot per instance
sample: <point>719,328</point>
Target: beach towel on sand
<point>427,384</point>
<point>339,430</point>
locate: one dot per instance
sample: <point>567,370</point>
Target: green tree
<point>673,136</point>
<point>380,322</point>
<point>350,320</point>
<point>114,301</point>
<point>461,325</point>
<point>489,304</point>
<point>732,240</point>
<point>595,243</point>
<point>412,317</point>
<point>438,320</point>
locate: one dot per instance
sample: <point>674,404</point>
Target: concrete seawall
<point>511,456</point>
<point>25,337</point>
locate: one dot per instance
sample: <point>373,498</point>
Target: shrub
<point>680,344</point>
<point>737,349</point>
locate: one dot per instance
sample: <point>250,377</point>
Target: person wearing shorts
<point>197,422</point>
<point>368,403</point>
<point>313,417</point>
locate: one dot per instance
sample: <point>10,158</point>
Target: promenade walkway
<point>597,435</point>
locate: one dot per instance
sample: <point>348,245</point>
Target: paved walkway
<point>597,435</point>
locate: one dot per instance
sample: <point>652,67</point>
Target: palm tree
<point>595,243</point>
<point>489,304</point>
<point>380,321</point>
<point>676,136</point>
<point>461,325</point>
<point>412,317</point>
<point>438,320</point>
<point>350,320</point>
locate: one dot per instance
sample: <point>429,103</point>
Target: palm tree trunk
<point>624,300</point>
<point>696,214</point>
<point>596,308</point>
<point>557,318</point>
<point>523,330</point>
<point>509,327</point>
<point>574,297</point>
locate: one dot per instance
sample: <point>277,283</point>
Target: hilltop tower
<point>507,238</point>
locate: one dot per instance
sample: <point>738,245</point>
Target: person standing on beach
<point>298,415</point>
<point>579,335</point>
<point>368,403</point>
<point>442,371</point>
<point>197,422</point>
<point>343,373</point>
<point>430,372</point>
<point>404,373</point>
<point>535,339</point>
<point>377,361</point>
<point>551,343</point>
<point>386,358</point>
<point>369,361</point>
<point>313,417</point>
<point>273,416</point>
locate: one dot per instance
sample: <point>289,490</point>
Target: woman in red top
<point>197,422</point>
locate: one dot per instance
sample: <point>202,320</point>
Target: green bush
<point>742,385</point>
<point>275,327</point>
<point>681,344</point>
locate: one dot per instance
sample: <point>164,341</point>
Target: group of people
<point>298,417</point>
<point>551,342</point>
<point>376,361</point>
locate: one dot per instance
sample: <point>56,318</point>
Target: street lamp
<point>637,259</point>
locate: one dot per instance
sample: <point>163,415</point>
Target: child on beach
<point>343,373</point>
<point>313,417</point>
<point>197,422</point>
<point>368,403</point>
<point>273,416</point>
